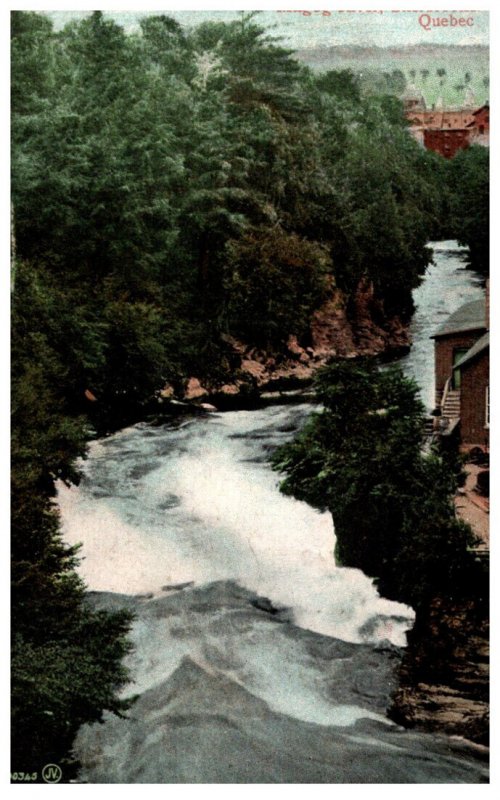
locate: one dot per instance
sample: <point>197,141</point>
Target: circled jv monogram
<point>52,773</point>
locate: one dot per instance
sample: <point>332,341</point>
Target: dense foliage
<point>66,660</point>
<point>392,506</point>
<point>469,193</point>
<point>170,187</point>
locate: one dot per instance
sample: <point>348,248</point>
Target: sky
<point>325,28</point>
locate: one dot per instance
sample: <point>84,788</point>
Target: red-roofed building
<point>448,131</point>
<point>480,126</point>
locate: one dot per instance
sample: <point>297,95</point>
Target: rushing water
<point>162,506</point>
<point>198,505</point>
<point>447,285</point>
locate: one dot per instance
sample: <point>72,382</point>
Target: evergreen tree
<point>66,660</point>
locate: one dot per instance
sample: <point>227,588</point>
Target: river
<point>249,640</point>
<point>447,285</point>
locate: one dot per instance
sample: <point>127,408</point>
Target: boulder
<point>229,389</point>
<point>167,392</point>
<point>253,368</point>
<point>293,346</point>
<point>194,390</point>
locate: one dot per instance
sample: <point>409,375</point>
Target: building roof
<point>475,113</point>
<point>482,108</point>
<point>469,317</point>
<point>479,347</point>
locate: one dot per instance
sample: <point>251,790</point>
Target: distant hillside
<point>465,66</point>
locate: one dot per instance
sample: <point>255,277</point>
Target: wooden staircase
<point>451,407</point>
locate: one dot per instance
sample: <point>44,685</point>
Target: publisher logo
<point>51,773</point>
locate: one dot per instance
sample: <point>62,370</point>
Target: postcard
<point>250,396</point>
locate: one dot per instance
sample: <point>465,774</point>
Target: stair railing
<point>445,394</point>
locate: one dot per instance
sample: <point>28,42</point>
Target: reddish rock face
<point>194,390</point>
<point>336,330</point>
<point>254,368</point>
<point>229,389</point>
<point>331,331</point>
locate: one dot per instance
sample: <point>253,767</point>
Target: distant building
<point>462,374</point>
<point>446,131</point>
<point>480,126</point>
<point>413,100</point>
<point>447,141</point>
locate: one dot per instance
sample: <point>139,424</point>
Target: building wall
<point>481,139</point>
<point>475,379</point>
<point>482,119</point>
<point>443,356</point>
<point>448,131</point>
<point>447,142</point>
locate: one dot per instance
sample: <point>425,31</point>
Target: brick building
<point>480,126</point>
<point>481,119</point>
<point>447,141</point>
<point>446,131</point>
<point>474,370</point>
<point>461,348</point>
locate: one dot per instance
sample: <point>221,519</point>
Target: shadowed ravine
<point>257,659</point>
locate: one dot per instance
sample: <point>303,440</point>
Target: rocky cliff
<point>358,326</point>
<point>444,675</point>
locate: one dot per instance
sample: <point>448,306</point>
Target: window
<point>458,353</point>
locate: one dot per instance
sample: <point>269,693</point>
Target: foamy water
<point>161,507</point>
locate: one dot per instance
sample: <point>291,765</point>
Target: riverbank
<point>444,675</point>
<point>473,508</point>
<point>343,327</point>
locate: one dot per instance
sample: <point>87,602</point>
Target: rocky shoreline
<point>444,674</point>
<point>340,328</point>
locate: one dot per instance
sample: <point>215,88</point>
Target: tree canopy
<point>469,189</point>
<point>147,167</point>
<point>392,506</point>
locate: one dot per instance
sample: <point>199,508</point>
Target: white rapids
<point>161,506</point>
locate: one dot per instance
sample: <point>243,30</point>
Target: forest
<point>171,187</point>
